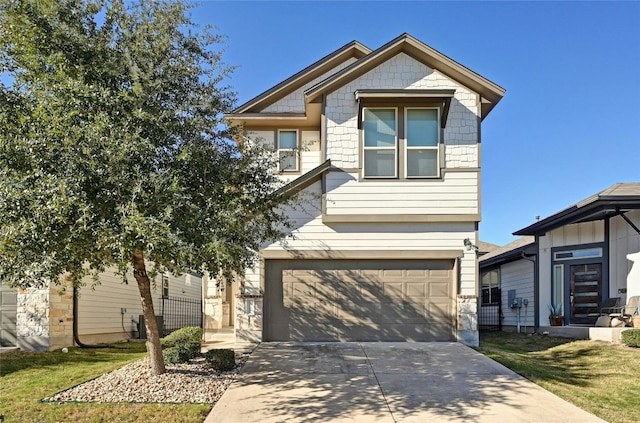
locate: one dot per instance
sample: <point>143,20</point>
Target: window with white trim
<point>288,150</point>
<point>410,150</point>
<point>165,286</point>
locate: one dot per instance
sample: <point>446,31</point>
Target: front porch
<point>606,334</point>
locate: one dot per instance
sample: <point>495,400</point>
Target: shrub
<point>174,355</point>
<point>182,345</point>
<point>221,359</point>
<point>631,337</point>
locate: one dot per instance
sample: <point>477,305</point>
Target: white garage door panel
<point>359,300</point>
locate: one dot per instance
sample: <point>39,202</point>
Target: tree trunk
<point>153,335</point>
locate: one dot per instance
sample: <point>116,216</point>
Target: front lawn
<point>599,377</point>
<point>25,378</point>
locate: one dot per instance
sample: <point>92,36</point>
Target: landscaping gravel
<point>193,382</point>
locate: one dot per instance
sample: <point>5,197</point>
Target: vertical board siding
<point>623,240</point>
<point>577,233</point>
<point>518,275</point>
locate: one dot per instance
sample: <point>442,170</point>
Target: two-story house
<point>385,146</point>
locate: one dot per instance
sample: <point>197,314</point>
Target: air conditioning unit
<point>142,328</point>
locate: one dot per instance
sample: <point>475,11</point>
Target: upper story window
<point>380,143</point>
<point>288,150</point>
<point>422,142</point>
<point>411,150</point>
<point>165,286</point>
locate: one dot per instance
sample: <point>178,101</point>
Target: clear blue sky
<point>568,126</point>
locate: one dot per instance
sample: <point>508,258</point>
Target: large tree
<point>114,152</point>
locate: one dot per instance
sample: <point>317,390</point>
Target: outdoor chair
<point>611,305</point>
<point>625,313</point>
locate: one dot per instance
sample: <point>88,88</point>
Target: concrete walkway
<point>384,382</point>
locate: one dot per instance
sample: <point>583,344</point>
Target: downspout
<point>533,259</point>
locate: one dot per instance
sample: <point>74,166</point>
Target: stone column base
<point>468,320</point>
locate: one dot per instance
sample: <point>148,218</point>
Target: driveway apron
<point>384,382</point>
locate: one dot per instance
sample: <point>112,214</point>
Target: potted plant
<point>556,318</point>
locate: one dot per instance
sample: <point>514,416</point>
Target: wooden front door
<point>585,292</point>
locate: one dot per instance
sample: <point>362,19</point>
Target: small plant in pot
<point>556,318</point>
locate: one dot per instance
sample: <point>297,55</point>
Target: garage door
<point>359,300</point>
<point>7,316</point>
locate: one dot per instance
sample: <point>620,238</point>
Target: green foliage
<point>175,355</point>
<point>555,310</point>
<point>182,345</point>
<point>631,337</point>
<point>221,359</point>
<point>112,140</point>
<point>191,335</point>
<point>26,377</point>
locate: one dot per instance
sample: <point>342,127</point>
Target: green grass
<point>599,377</point>
<point>25,378</point>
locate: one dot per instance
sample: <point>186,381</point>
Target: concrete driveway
<point>384,382</point>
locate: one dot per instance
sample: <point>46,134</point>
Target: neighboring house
<point>385,147</point>
<point>507,297</point>
<point>107,312</point>
<point>583,254</point>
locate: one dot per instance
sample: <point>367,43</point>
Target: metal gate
<point>490,316</point>
<point>180,312</point>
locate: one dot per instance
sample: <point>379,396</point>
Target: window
<point>422,137</point>
<point>578,254</point>
<point>287,150</point>
<point>410,150</point>
<point>380,143</point>
<point>558,285</point>
<point>491,287</point>
<point>165,286</point>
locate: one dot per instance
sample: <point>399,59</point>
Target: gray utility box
<point>142,328</point>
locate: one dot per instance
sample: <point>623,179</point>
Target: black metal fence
<point>179,312</point>
<point>490,317</point>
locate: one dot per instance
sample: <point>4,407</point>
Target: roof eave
<point>305,180</point>
<point>490,92</point>
<point>352,49</point>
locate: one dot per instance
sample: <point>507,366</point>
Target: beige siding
<point>309,149</point>
<point>518,275</point>
<point>99,308</point>
<point>402,72</point>
<point>456,194</point>
<point>310,233</point>
<point>294,102</point>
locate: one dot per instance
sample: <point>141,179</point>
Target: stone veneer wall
<point>212,315</point>
<point>468,320</point>
<point>44,318</point>
<point>248,324</point>
<point>61,317</point>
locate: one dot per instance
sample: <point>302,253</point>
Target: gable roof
<point>490,92</point>
<point>350,50</point>
<point>510,252</point>
<point>305,180</point>
<point>613,201</point>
